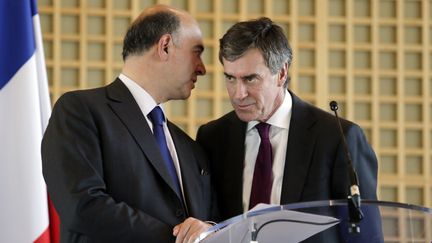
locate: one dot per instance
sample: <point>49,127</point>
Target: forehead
<point>251,62</point>
<point>189,29</point>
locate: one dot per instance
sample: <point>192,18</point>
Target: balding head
<point>161,8</point>
<point>150,25</point>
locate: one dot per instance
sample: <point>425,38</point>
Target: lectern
<point>326,221</point>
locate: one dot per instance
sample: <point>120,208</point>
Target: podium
<point>326,221</point>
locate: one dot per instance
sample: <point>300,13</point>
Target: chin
<point>186,95</point>
<point>181,96</point>
<point>246,117</point>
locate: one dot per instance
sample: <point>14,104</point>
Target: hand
<point>189,230</point>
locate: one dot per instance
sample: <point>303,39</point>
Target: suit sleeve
<point>73,170</point>
<point>366,165</point>
<point>364,161</point>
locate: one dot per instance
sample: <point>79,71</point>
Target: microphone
<point>354,211</point>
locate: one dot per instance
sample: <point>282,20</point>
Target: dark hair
<point>262,34</point>
<point>147,30</point>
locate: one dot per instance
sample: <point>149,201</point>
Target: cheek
<point>193,59</point>
<point>264,100</point>
<point>184,61</point>
<point>258,95</point>
<point>230,89</point>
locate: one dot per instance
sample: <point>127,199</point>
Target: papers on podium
<point>270,224</point>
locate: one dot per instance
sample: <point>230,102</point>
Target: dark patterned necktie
<point>262,178</point>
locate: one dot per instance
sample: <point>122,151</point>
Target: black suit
<point>315,166</point>
<point>105,173</point>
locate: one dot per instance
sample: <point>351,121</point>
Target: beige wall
<point>373,56</point>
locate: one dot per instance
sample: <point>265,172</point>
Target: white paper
<point>274,226</point>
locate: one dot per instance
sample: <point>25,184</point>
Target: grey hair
<point>263,34</point>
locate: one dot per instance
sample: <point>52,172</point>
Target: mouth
<point>243,106</point>
<point>193,83</point>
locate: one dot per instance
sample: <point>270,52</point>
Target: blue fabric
<point>17,42</point>
<point>157,118</point>
<point>370,225</point>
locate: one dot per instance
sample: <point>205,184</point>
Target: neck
<point>276,104</point>
<point>143,73</point>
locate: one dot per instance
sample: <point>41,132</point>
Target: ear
<point>283,74</point>
<point>164,45</point>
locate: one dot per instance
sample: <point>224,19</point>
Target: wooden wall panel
<point>372,56</point>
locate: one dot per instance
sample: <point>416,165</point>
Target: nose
<point>240,91</point>
<point>200,69</point>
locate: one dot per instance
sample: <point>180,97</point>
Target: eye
<point>249,79</point>
<point>198,50</point>
<point>229,78</point>
<point>198,53</point>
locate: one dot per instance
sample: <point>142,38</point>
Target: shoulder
<point>80,96</point>
<point>229,119</point>
<point>317,118</point>
<point>115,91</point>
<point>81,104</point>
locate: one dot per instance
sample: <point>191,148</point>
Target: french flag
<point>24,112</point>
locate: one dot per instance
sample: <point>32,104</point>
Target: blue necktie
<point>262,178</point>
<point>157,118</point>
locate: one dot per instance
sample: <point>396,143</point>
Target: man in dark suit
<point>106,173</point>
<point>307,155</point>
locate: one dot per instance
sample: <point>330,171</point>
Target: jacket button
<point>179,213</point>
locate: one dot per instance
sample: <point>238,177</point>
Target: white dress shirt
<point>279,129</point>
<point>146,103</point>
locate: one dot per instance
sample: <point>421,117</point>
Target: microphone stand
<point>354,211</point>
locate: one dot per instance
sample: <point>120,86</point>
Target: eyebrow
<point>228,75</point>
<point>250,76</point>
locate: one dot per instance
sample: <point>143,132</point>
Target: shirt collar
<point>282,115</point>
<point>144,100</point>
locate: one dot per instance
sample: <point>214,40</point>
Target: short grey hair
<point>263,34</point>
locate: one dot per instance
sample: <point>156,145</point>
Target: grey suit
<point>105,174</point>
<point>315,166</point>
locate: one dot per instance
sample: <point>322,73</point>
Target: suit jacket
<point>315,166</point>
<point>105,174</point>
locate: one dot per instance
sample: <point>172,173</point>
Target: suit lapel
<point>301,141</point>
<point>234,160</point>
<point>189,169</point>
<point>125,107</point>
